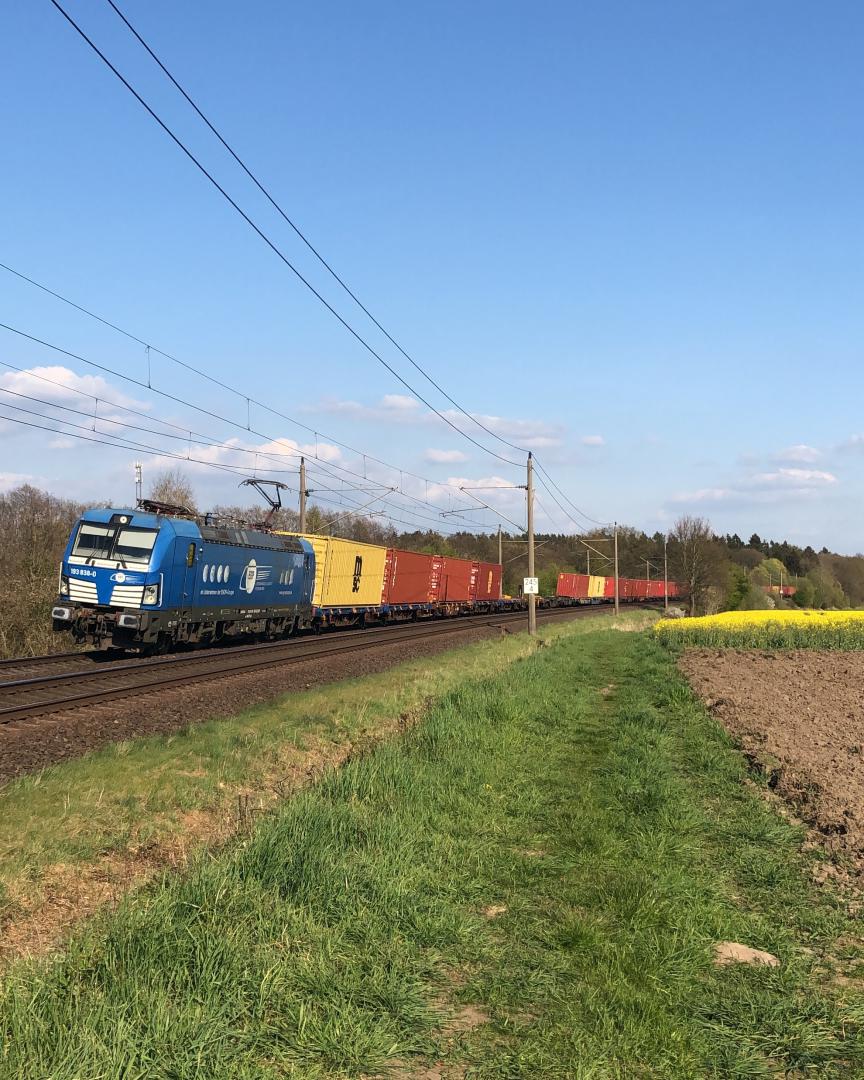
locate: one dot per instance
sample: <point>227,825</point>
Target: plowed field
<point>800,716</point>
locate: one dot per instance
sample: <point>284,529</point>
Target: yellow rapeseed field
<point>778,629</point>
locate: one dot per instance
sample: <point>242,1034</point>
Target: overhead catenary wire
<point>187,435</point>
<point>293,450</point>
<point>579,525</point>
<point>190,436</point>
<point>241,395</point>
<point>581,513</point>
<point>282,213</point>
<point>281,255</point>
<point>159,452</point>
<point>296,451</point>
<point>272,245</point>
<point>121,443</point>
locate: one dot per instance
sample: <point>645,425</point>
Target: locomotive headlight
<point>151,594</point>
<point>64,585</point>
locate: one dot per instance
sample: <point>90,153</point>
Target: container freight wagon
<point>411,579</point>
<point>573,586</point>
<point>349,578</point>
<point>585,589</point>
<point>780,590</point>
<point>458,581</point>
<point>488,582</point>
<point>582,587</point>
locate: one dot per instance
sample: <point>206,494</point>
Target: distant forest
<point>720,572</point>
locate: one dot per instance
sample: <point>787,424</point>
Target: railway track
<point>19,666</point>
<point>45,693</point>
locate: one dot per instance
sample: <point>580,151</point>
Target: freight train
<point>592,588</point>
<point>150,578</point>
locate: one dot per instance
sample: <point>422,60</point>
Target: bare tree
<point>34,528</point>
<point>172,486</point>
<point>693,556</point>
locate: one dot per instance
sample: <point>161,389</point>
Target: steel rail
<point>47,658</point>
<point>168,671</point>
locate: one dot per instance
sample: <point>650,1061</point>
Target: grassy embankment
<point>80,834</point>
<point>547,858</point>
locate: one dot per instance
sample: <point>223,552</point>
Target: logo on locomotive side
<point>250,576</point>
<point>358,570</point>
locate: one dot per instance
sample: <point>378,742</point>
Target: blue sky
<point>629,234</point>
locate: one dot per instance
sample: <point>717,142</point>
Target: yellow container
<point>595,586</point>
<point>347,573</point>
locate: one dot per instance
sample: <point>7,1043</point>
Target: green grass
<point>585,793</point>
<point>161,796</point>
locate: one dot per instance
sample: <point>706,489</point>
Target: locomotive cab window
<point>93,541</point>
<point>134,545</point>
<point>123,545</point>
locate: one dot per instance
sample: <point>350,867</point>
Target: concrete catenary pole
<point>139,482</point>
<point>302,495</point>
<point>665,576</point>
<point>532,599</point>
<point>615,537</point>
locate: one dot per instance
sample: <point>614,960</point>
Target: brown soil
<point>30,745</point>
<point>799,717</point>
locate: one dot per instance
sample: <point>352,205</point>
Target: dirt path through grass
<point>527,884</point>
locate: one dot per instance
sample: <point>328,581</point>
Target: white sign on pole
<point>531,586</point>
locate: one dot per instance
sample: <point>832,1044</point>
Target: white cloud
<point>593,440</point>
<point>61,443</point>
<point>268,459</point>
<point>797,477</point>
<point>402,409</point>
<point>323,451</point>
<point>9,480</point>
<point>397,408</point>
<point>61,385</point>
<point>536,434</point>
<point>399,401</point>
<point>799,452</point>
<point>703,495</point>
<point>780,486</point>
<point>445,457</point>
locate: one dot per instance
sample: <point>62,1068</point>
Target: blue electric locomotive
<point>135,579</point>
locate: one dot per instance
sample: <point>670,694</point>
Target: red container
<point>411,577</point>
<point>627,588</point>
<point>488,581</point>
<point>609,588</point>
<point>573,586</point>
<point>458,581</point>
